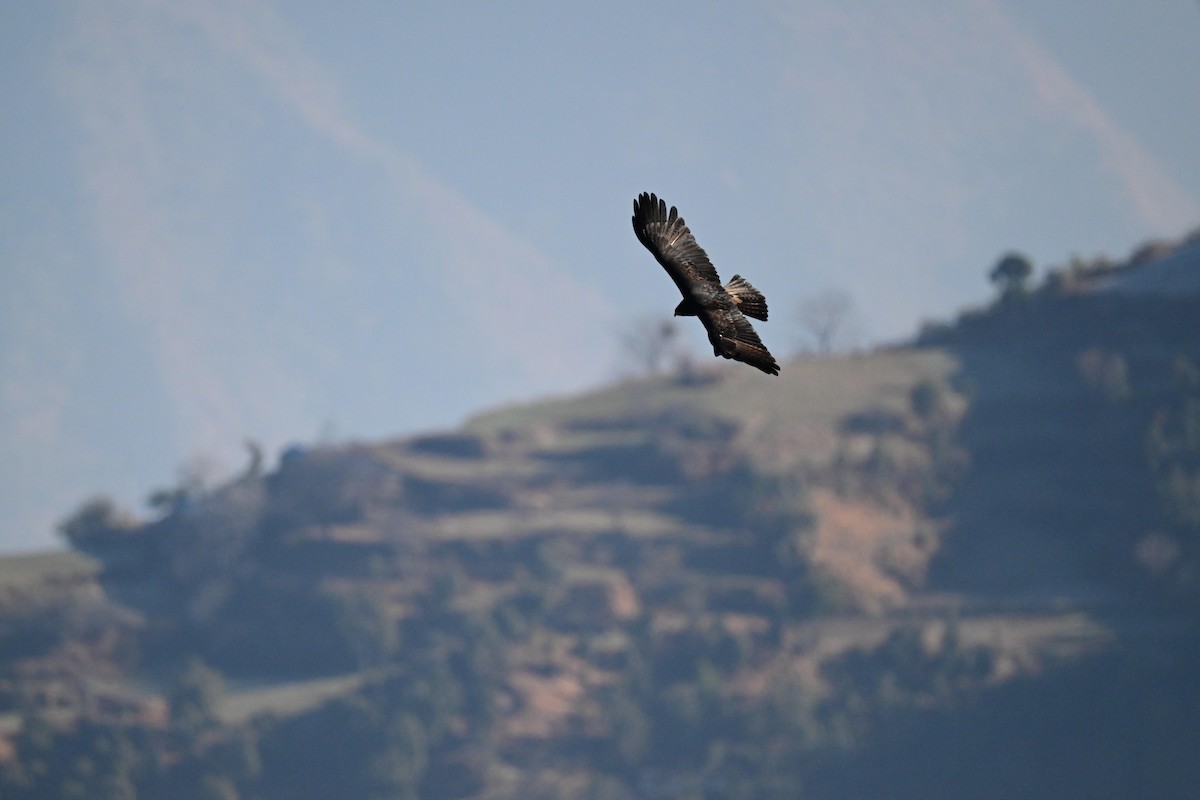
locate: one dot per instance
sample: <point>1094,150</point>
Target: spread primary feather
<point>721,309</point>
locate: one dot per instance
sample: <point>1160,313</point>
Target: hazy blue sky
<point>286,220</point>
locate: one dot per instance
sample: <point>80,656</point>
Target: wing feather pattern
<point>737,339</point>
<point>750,301</point>
<point>668,238</point>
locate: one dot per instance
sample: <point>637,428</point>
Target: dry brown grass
<point>871,549</point>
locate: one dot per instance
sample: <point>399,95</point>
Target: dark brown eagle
<point>722,309</point>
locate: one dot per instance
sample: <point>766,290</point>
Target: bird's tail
<point>750,301</point>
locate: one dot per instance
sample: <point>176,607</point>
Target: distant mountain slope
<point>1175,271</point>
<point>706,584</point>
<point>1066,384</point>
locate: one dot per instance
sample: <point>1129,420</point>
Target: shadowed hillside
<point>982,546</point>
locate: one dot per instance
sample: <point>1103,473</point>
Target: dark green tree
<point>193,699</point>
<point>1011,276</point>
<point>94,521</point>
<point>396,770</point>
<point>928,399</point>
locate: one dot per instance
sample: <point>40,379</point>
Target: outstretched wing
<point>668,238</point>
<point>734,337</point>
<point>666,235</point>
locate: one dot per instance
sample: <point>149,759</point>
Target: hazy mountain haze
<point>244,218</point>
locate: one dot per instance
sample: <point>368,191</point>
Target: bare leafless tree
<point>653,344</point>
<point>827,318</point>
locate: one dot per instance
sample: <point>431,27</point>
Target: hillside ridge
<point>701,583</point>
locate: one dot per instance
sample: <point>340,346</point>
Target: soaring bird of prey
<point>722,309</point>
